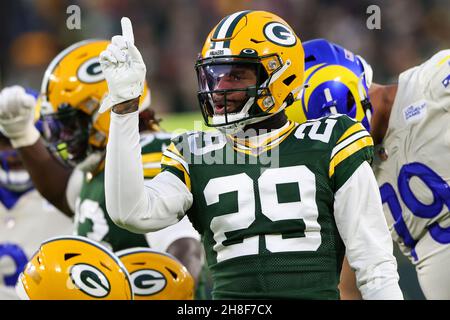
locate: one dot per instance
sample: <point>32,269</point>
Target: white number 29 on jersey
<point>306,209</point>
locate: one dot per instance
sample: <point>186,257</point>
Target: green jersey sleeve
<point>353,145</point>
<point>152,148</point>
<point>173,160</point>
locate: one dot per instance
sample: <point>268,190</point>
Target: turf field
<point>181,122</point>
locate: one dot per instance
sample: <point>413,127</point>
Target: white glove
<point>17,116</point>
<point>123,68</point>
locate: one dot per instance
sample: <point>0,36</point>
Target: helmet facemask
<point>67,134</point>
<point>229,90</point>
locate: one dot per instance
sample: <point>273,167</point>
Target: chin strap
<point>365,102</point>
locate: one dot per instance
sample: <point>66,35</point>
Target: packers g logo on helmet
<point>156,275</point>
<point>90,280</point>
<point>147,282</point>
<point>74,268</point>
<point>280,34</point>
<point>90,71</point>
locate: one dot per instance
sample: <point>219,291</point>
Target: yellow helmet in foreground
<point>74,268</point>
<point>156,275</point>
<point>258,42</point>
<point>71,92</point>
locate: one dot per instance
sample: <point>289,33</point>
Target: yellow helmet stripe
<point>335,73</point>
<point>306,93</point>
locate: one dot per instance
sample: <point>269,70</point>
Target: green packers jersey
<point>265,212</point>
<point>202,289</point>
<point>91,217</point>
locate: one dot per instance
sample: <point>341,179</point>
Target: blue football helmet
<point>337,81</point>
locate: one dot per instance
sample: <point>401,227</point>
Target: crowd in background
<point>170,33</point>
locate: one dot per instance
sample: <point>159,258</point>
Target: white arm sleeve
<point>360,220</point>
<point>131,204</point>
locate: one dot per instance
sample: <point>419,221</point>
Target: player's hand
<point>123,68</point>
<point>17,116</point>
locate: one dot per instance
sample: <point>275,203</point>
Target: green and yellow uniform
<point>266,211</point>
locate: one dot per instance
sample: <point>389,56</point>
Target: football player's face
<point>67,132</point>
<point>234,77</point>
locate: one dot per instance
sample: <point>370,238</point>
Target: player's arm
<point>362,226</point>
<point>17,123</point>
<point>359,215</point>
<point>181,239</point>
<point>347,285</point>
<point>49,176</point>
<point>131,204</point>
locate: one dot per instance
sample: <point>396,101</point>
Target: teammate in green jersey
<point>278,204</point>
<point>70,173</point>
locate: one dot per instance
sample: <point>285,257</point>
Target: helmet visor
<point>66,133</point>
<point>228,89</point>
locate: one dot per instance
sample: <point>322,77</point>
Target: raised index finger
<point>127,29</point>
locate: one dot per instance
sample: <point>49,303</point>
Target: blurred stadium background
<point>170,34</point>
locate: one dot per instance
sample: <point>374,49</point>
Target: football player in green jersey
<point>70,173</point>
<point>278,204</point>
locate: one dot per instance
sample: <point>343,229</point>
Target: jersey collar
<point>261,143</point>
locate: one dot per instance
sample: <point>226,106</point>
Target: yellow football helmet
<point>156,275</point>
<point>74,268</point>
<point>71,92</point>
<point>249,40</point>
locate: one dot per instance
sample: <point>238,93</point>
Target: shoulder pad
<point>437,74</point>
<point>199,142</point>
<point>325,129</point>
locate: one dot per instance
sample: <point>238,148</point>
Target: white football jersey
<point>22,229</point>
<point>415,179</point>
